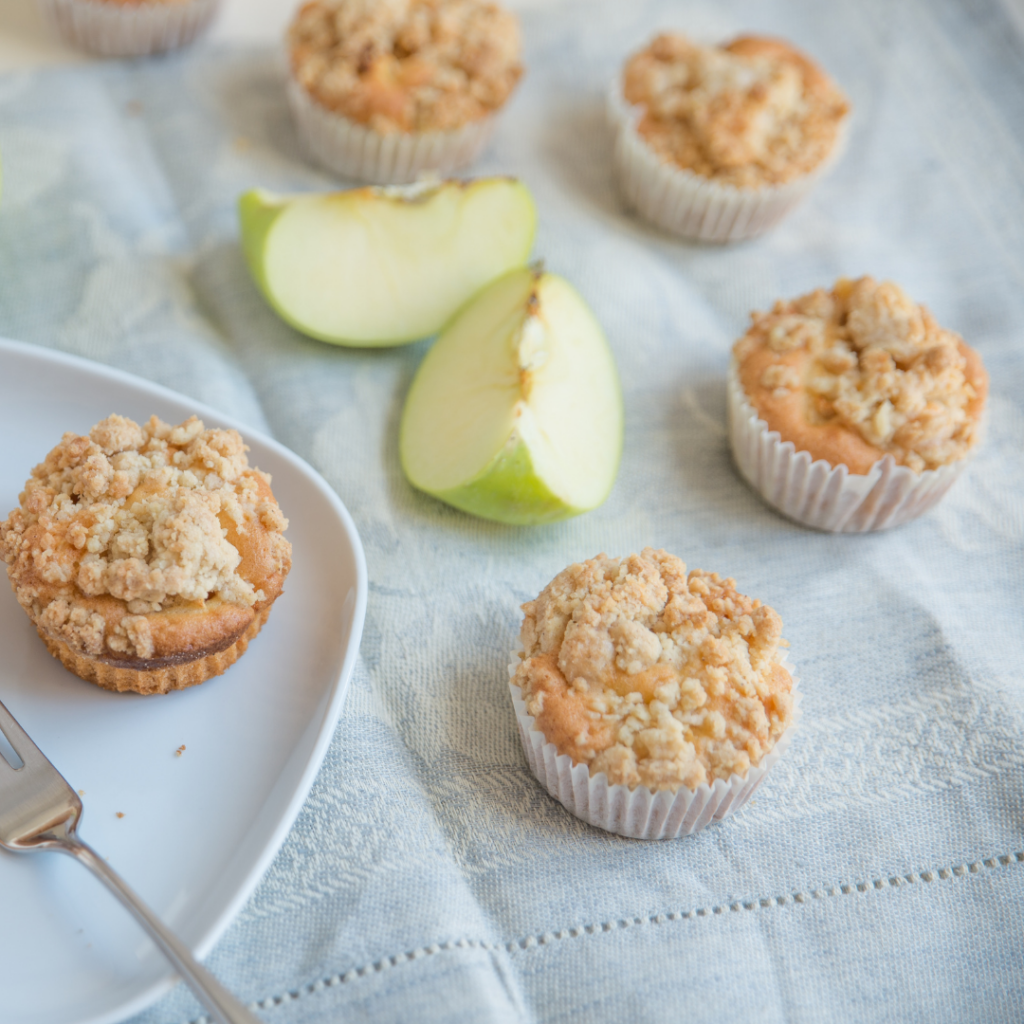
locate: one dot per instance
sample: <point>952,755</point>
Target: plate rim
<point>338,690</point>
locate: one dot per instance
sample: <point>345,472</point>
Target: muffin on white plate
<point>718,143</point>
<point>389,90</point>
<point>852,409</point>
<point>651,701</point>
<point>147,557</point>
<point>129,28</point>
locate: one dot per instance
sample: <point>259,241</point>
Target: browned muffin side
<point>755,112</point>
<point>652,675</point>
<point>861,371</point>
<point>406,65</point>
<point>147,557</point>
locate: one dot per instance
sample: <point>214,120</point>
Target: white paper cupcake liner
<point>818,494</point>
<point>686,204</point>
<point>353,151</point>
<point>117,30</point>
<point>639,813</point>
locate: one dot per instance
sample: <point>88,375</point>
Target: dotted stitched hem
<point>546,939</point>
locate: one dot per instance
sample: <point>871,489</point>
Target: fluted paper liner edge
<point>640,813</point>
<point>117,30</point>
<point>820,495</point>
<point>686,204</point>
<point>354,151</point>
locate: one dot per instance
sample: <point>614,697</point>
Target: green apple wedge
<point>384,266</point>
<point>515,414</point>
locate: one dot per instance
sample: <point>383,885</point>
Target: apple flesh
<point>515,414</point>
<point>384,266</point>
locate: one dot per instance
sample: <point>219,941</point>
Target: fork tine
<point>20,740</point>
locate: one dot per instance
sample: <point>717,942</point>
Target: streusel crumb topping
<point>140,514</point>
<point>752,113</point>
<point>866,356</point>
<point>406,65</point>
<point>652,675</point>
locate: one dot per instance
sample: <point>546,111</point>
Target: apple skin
<point>259,213</point>
<point>508,489</point>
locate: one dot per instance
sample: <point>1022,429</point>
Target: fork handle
<point>223,1007</point>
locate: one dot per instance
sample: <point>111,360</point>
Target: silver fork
<point>40,811</point>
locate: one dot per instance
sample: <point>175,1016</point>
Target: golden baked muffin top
<point>753,113</point>
<point>862,371</point>
<point>406,65</point>
<point>124,539</point>
<point>654,676</point>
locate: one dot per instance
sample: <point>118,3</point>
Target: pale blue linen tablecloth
<point>879,875</point>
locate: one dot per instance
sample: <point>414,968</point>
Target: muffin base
<point>354,151</point>
<point>639,813</point>
<point>817,494</point>
<point>113,676</point>
<point>113,30</point>
<point>686,204</point>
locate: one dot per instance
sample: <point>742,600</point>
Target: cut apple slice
<point>515,414</point>
<point>383,266</point>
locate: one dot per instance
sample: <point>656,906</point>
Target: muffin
<point>129,28</point>
<point>650,701</point>
<point>147,557</point>
<point>718,143</point>
<point>389,90</point>
<point>852,409</point>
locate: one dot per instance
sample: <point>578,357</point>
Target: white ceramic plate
<point>198,830</point>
